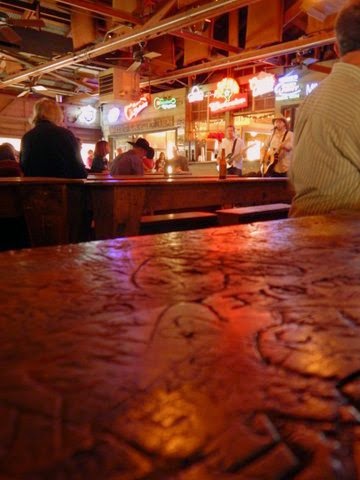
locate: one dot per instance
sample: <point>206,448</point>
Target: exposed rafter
<point>209,41</point>
<point>102,9</point>
<point>139,34</point>
<point>248,56</point>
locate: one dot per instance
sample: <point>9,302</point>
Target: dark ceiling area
<point>61,47</point>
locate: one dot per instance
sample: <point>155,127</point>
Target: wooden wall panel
<point>264,23</point>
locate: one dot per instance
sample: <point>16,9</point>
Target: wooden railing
<point>57,211</point>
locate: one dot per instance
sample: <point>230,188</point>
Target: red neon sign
<point>227,96</point>
<point>133,109</point>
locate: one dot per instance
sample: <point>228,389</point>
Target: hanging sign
<point>227,96</point>
<point>113,114</point>
<point>87,114</point>
<point>288,88</point>
<point>164,103</point>
<point>262,83</point>
<point>195,94</point>
<point>133,109</point>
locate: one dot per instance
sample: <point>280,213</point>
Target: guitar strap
<point>233,147</point>
<point>283,139</point>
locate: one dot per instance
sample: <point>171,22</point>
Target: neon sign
<point>133,109</point>
<point>87,114</point>
<point>113,114</point>
<point>288,88</point>
<point>262,83</point>
<point>309,87</point>
<point>195,94</point>
<point>164,103</point>
<point>227,96</point>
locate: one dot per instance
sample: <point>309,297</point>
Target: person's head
<point>162,156</point>
<point>280,123</point>
<point>7,152</point>
<point>101,148</point>
<point>119,151</point>
<point>141,147</point>
<point>347,29</point>
<point>150,153</point>
<point>90,153</point>
<point>230,132</point>
<point>47,109</point>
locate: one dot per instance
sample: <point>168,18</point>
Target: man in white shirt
<point>234,150</point>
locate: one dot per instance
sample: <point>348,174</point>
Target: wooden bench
<point>170,222</point>
<point>256,213</point>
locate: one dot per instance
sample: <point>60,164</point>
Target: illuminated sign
<point>288,88</point>
<point>309,87</point>
<point>237,101</point>
<point>87,114</point>
<point>227,96</point>
<point>113,114</point>
<point>195,95</point>
<point>262,83</point>
<point>133,109</point>
<point>164,103</point>
<point>226,88</point>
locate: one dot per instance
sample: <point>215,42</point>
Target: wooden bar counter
<point>229,353</point>
<point>118,204</point>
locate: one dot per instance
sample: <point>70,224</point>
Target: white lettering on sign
<point>237,101</point>
<point>309,87</point>
<point>288,88</point>
<point>133,109</point>
<point>262,83</point>
<point>195,94</point>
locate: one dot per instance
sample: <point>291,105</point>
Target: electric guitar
<point>229,160</point>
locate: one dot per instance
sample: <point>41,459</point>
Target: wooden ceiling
<point>63,45</point>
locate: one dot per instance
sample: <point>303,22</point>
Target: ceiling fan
<point>139,57</point>
<point>33,88</point>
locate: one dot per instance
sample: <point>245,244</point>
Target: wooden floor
<point>229,353</point>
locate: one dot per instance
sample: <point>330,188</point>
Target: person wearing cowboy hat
<point>131,162</point>
<point>277,150</point>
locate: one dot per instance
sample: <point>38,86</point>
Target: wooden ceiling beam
<point>102,10</point>
<point>294,11</point>
<point>209,41</point>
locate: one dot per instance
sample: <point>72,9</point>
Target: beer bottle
<point>222,165</point>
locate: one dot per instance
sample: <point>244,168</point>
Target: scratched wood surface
<point>229,353</point>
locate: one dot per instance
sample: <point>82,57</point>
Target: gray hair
<point>347,28</point>
<point>47,109</point>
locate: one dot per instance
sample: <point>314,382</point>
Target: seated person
<point>160,163</point>
<point>131,162</point>
<point>148,160</point>
<point>49,150</point>
<point>180,162</point>
<point>100,162</point>
<point>9,167</point>
<point>90,158</point>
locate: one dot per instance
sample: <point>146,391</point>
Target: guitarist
<point>278,149</point>
<point>234,150</point>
